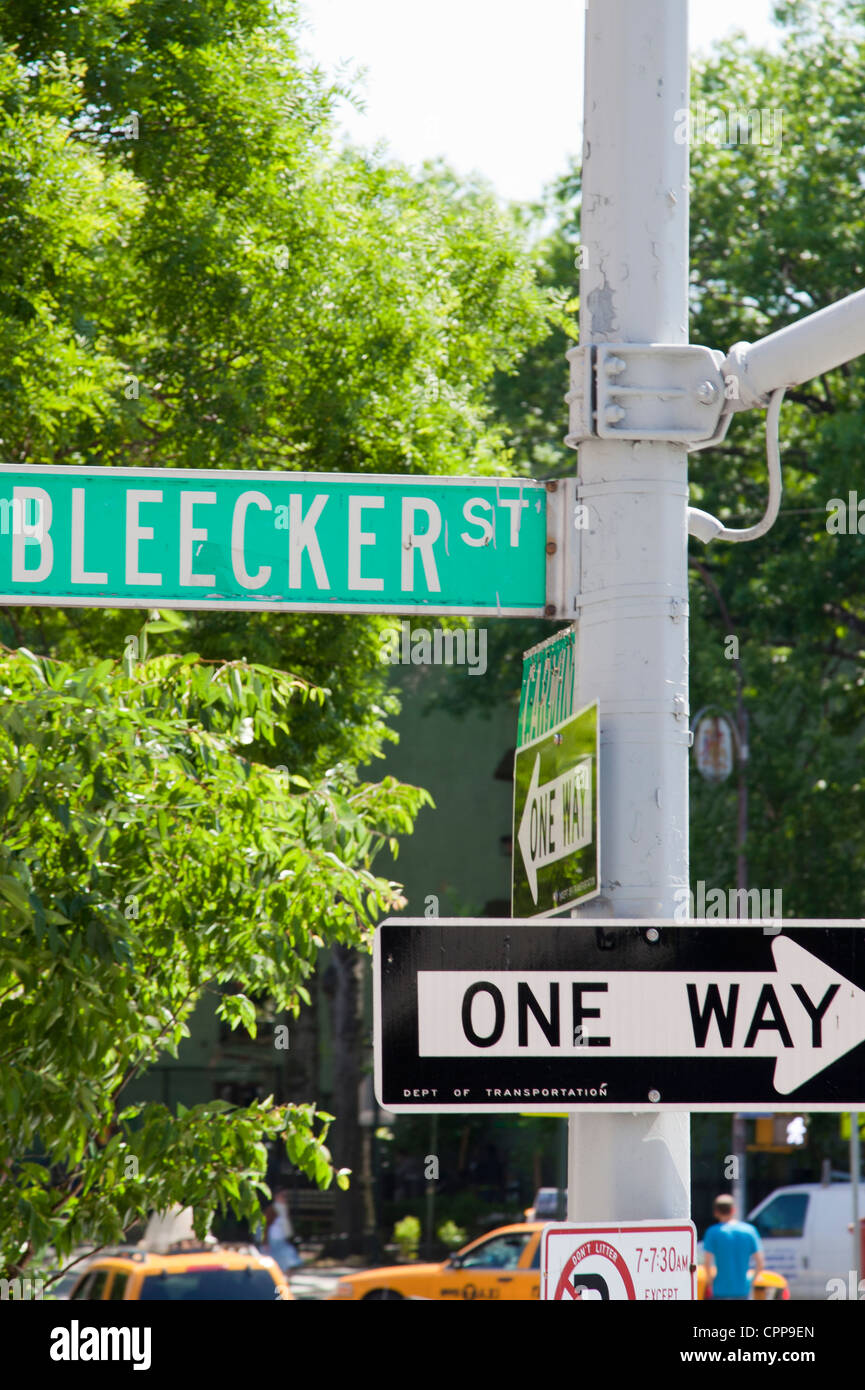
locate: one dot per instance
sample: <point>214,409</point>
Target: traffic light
<point>779,1133</point>
<point>797,1129</point>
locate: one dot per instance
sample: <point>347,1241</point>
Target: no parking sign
<point>637,1262</point>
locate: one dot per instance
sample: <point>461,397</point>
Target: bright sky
<point>492,85</point>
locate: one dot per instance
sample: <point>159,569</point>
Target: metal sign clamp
<point>668,392</point>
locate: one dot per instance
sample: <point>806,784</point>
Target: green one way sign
<point>324,542</point>
<point>556,838</point>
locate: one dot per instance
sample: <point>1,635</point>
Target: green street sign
<point>556,841</point>
<point>321,542</point>
<point>548,693</point>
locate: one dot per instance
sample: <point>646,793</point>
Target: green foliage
<point>62,215</point>
<point>530,399</point>
<point>192,274</point>
<point>466,1208</point>
<point>215,284</point>
<point>147,861</point>
<point>451,1235</point>
<point>406,1233</point>
<point>776,232</point>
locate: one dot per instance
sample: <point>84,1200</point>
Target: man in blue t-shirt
<point>729,1246</point>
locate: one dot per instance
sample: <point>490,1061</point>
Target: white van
<point>807,1236</point>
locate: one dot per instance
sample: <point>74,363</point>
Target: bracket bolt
<point>654,1097</point>
<point>707,392</point>
<point>614,366</point>
<point>652,934</point>
<point>613,414</point>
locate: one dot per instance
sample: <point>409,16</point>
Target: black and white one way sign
<point>476,1015</point>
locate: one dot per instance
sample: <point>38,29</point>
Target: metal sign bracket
<point>669,392</point>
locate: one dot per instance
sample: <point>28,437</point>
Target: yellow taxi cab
<point>765,1286</point>
<point>184,1276</point>
<point>505,1264</point>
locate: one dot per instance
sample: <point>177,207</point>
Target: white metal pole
<point>633,604</point>
<point>800,351</point>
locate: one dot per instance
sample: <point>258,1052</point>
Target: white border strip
<point>353,479</point>
<point>289,606</point>
<point>781,1106</point>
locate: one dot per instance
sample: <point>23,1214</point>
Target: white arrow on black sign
<point>803,1013</point>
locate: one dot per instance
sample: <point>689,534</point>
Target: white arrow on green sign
<point>557,818</point>
<point>325,542</point>
<point>555,856</point>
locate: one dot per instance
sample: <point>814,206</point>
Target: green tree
<point>147,861</point>
<point>193,274</point>
<point>226,288</point>
<point>776,232</point>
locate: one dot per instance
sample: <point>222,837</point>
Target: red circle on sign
<point>606,1252</point>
